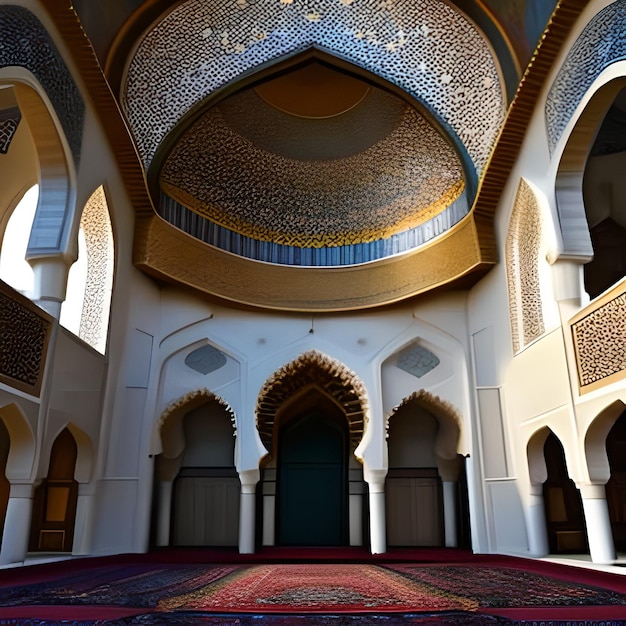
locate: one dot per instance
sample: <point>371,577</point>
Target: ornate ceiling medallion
<point>315,91</point>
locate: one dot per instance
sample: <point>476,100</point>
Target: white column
<point>450,513</point>
<point>164,514</point>
<point>84,519</point>
<point>247,510</point>
<point>598,522</point>
<point>378,529</point>
<point>536,523</point>
<point>17,524</point>
<point>50,282</point>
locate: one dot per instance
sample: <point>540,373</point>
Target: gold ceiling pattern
<point>379,169</point>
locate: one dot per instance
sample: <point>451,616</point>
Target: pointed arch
<point>523,243</point>
<point>85,458</point>
<point>90,311</point>
<point>595,442</point>
<point>14,269</point>
<point>549,475</point>
<point>198,488</point>
<point>537,469</point>
<point>55,120</point>
<point>447,416</point>
<point>574,227</point>
<point>55,499</point>
<point>332,30</point>
<point>22,450</point>
<point>313,369</point>
<point>170,422</point>
<point>598,46</point>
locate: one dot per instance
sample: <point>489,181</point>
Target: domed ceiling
<point>322,155</point>
<point>311,160</point>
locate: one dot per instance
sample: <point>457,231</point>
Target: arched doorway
<point>54,503</point>
<point>200,504</point>
<point>413,488</point>
<point>616,486</point>
<point>565,520</point>
<point>312,385</point>
<point>312,480</point>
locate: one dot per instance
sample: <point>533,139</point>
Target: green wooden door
<point>312,501</point>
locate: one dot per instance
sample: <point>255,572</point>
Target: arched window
<point>14,269</point>
<point>86,309</point>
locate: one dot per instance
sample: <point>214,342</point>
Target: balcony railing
<point>599,336</point>
<point>24,337</point>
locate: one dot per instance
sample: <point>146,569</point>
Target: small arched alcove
<point>565,519</point>
<point>198,489</point>
<point>54,502</point>
<point>425,490</point>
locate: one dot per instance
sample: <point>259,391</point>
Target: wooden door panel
<point>206,511</point>
<point>413,512</point>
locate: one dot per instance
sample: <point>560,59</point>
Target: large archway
<point>589,186</point>
<point>311,416</point>
<point>604,190</point>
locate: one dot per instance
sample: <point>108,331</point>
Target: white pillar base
<point>246,523</point>
<point>538,544</point>
<point>247,510</point>
<point>84,520</point>
<point>17,524</point>
<point>598,522</point>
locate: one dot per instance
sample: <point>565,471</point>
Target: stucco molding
<point>447,415</point>
<point>170,422</point>
<point>313,369</point>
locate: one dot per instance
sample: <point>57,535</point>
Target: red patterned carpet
<point>145,589</point>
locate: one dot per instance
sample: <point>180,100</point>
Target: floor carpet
<point>332,594</point>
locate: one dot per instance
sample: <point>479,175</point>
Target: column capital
<point>22,490</point>
<point>592,491</point>
<point>375,478</point>
<point>249,479</point>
